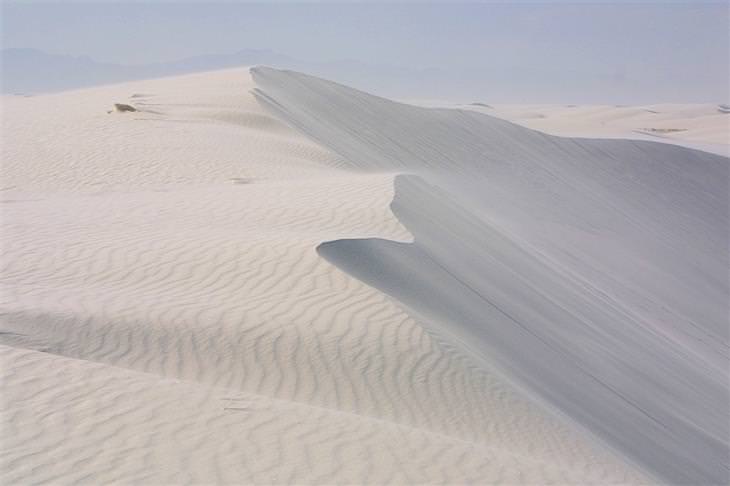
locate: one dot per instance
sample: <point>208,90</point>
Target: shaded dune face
<point>593,273</point>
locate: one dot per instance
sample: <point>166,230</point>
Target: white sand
<point>592,272</point>
<point>700,126</point>
<point>166,317</point>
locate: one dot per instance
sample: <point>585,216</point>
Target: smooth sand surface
<point>593,272</point>
<point>703,126</point>
<point>167,318</point>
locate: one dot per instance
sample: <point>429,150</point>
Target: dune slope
<point>166,317</point>
<point>591,272</point>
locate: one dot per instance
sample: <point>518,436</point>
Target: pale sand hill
<point>164,324</point>
<point>592,272</point>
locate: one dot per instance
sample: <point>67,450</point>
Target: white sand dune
<point>592,272</point>
<point>166,317</point>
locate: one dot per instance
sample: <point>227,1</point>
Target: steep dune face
<point>591,272</point>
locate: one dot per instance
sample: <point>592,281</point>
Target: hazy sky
<point>672,44</point>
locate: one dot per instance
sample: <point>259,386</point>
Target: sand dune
<point>591,272</point>
<point>166,317</point>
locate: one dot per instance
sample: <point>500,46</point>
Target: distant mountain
<point>30,71</point>
<point>34,71</point>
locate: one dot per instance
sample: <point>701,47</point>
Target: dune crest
<point>591,272</point>
<point>166,317</point>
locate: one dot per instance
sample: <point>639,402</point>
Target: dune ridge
<point>166,317</point>
<point>592,272</point>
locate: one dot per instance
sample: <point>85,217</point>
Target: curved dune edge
<point>498,314</point>
<point>166,318</point>
<point>591,272</point>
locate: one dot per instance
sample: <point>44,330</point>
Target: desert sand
<point>704,127</point>
<point>263,277</point>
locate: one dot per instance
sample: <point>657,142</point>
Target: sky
<point>680,50</point>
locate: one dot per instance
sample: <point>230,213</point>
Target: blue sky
<point>681,47</point>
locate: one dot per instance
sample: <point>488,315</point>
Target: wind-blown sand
<point>593,272</point>
<point>167,316</point>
